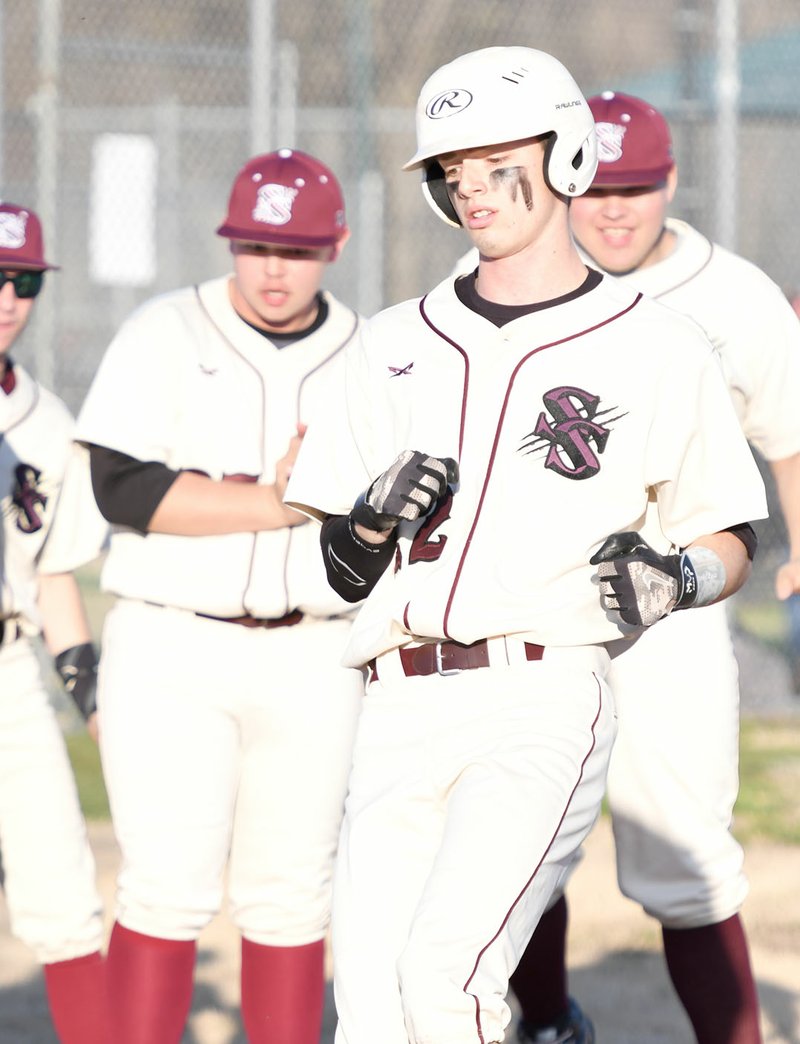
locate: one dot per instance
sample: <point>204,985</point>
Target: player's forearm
<point>786,473</point>
<point>353,563</point>
<point>64,621</point>
<point>733,557</point>
<point>195,505</point>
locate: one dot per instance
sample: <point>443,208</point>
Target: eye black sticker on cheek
<point>514,178</point>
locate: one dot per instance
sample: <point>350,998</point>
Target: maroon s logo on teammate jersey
<point>572,434</point>
<point>27,499</point>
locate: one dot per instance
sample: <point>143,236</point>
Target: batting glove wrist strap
<point>77,668</point>
<point>642,586</point>
<point>404,492</point>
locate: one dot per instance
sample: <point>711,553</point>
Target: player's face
<point>14,313</point>
<point>623,228</point>
<point>275,287</point>
<point>501,197</point>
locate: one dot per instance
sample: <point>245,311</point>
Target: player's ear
<point>338,246</point>
<point>672,182</point>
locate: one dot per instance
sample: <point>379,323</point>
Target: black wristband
<point>77,668</point>
<point>353,565</point>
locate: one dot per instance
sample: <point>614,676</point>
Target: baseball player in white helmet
<point>511,488</point>
<point>674,776</point>
<point>49,528</point>
<point>226,718</point>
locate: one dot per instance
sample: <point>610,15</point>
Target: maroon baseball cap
<point>634,145</point>
<point>285,197</point>
<point>21,241</point>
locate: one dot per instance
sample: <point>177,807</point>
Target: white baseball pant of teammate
<point>487,705</point>
<point>226,718</point>
<point>673,779</point>
<point>49,528</point>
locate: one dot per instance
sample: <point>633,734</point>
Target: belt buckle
<point>440,668</point>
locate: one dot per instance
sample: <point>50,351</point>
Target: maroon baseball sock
<point>710,970</point>
<point>540,981</point>
<point>149,987</point>
<point>76,994</point>
<point>283,992</point>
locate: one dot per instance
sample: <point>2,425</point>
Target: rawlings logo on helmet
<point>447,103</point>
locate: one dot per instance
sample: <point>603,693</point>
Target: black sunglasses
<point>26,284</point>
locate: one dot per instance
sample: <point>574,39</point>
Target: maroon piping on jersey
<point>9,381</point>
<point>517,368</point>
<point>504,922</point>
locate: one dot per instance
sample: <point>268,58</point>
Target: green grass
<point>85,759</point>
<point>769,781</point>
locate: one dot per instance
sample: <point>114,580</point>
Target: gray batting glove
<point>405,492</point>
<point>640,584</point>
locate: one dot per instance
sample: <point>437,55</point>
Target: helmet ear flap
<point>569,170</point>
<point>434,189</point>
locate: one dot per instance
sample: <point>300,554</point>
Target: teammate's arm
<point>786,473</point>
<point>67,637</point>
<point>152,498</point>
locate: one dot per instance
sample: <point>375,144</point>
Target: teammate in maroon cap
<point>48,528</point>
<point>226,718</point>
<point>673,775</point>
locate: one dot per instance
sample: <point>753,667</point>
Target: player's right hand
<point>404,492</point>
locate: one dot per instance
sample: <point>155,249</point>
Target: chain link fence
<point>124,124</point>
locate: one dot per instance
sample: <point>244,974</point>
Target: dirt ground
<point>617,969</point>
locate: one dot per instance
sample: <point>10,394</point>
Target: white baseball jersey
<point>747,318</point>
<point>212,394</point>
<point>39,467</point>
<point>564,430</point>
<point>49,525</point>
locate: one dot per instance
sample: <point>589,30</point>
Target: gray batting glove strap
<point>640,584</point>
<point>404,492</point>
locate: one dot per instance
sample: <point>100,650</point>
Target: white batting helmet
<point>501,94</point>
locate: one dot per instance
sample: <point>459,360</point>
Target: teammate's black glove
<point>639,583</point>
<point>405,492</point>
<point>77,668</point>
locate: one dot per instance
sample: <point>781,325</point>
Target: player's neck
<point>531,276</point>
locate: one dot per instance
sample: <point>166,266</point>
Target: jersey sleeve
<point>78,533</point>
<point>699,462</point>
<point>765,350</point>
<point>132,404</point>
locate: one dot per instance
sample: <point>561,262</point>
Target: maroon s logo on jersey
<point>27,499</point>
<point>572,434</point>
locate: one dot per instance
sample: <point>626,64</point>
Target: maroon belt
<point>289,620</point>
<point>449,657</point>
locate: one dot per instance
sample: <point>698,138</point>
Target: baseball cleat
<point>572,1028</point>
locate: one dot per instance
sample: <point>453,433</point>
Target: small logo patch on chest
<point>27,498</point>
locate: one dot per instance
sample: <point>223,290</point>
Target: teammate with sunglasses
<point>49,527</point>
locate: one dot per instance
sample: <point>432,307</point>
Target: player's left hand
<point>787,579</point>
<point>640,584</point>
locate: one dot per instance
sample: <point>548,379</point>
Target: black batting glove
<point>77,668</point>
<point>640,584</point>
<point>405,492</point>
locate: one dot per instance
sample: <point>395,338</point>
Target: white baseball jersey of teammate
<point>247,730</point>
<point>49,525</point>
<point>672,814</point>
<point>563,433</point>
<point>212,394</point>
